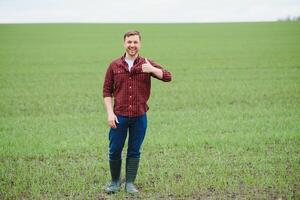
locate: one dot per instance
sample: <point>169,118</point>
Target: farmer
<point>128,82</point>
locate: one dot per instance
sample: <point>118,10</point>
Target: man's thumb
<point>146,60</point>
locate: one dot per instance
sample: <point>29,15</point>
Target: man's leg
<point>137,131</point>
<point>117,139</point>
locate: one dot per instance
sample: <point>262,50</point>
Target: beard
<point>132,52</point>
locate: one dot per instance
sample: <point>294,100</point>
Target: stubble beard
<point>132,52</point>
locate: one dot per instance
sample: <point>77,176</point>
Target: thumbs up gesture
<point>147,67</point>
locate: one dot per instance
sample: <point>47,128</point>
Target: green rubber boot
<point>132,165</point>
<point>115,171</point>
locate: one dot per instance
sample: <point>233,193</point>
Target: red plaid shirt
<point>130,89</point>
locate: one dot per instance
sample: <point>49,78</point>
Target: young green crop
<point>226,127</point>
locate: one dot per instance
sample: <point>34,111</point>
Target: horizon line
<point>163,22</point>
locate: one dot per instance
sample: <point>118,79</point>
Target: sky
<point>145,11</point>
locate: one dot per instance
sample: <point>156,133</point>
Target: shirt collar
<point>135,61</point>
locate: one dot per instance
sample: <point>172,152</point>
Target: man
<point>127,82</point>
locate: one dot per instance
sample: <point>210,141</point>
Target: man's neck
<point>129,57</point>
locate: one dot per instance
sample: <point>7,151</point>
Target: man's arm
<point>157,71</point>
<point>111,117</point>
<point>107,97</point>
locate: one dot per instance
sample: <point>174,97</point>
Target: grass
<point>225,127</point>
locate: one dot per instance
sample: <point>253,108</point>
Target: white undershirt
<point>130,63</point>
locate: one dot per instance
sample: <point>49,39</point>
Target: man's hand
<point>112,120</point>
<point>147,67</point>
<point>111,117</point>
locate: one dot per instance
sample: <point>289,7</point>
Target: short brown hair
<point>132,32</point>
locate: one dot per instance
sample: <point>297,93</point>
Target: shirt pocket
<point>120,76</point>
<point>119,71</point>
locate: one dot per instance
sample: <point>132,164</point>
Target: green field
<point>226,127</point>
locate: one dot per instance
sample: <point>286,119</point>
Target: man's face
<point>132,45</point>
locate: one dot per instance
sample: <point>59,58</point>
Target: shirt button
<point>129,87</point>
<point>130,96</point>
<point>130,78</point>
<point>129,106</point>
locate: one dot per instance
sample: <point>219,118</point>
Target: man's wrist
<point>155,70</point>
<point>110,112</point>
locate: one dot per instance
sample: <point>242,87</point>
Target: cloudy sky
<point>23,11</point>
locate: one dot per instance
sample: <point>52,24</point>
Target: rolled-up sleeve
<point>167,76</point>
<point>108,84</point>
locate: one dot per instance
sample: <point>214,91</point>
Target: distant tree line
<point>290,18</point>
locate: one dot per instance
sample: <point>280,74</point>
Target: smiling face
<point>132,45</point>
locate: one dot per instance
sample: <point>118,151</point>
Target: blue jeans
<point>137,129</point>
